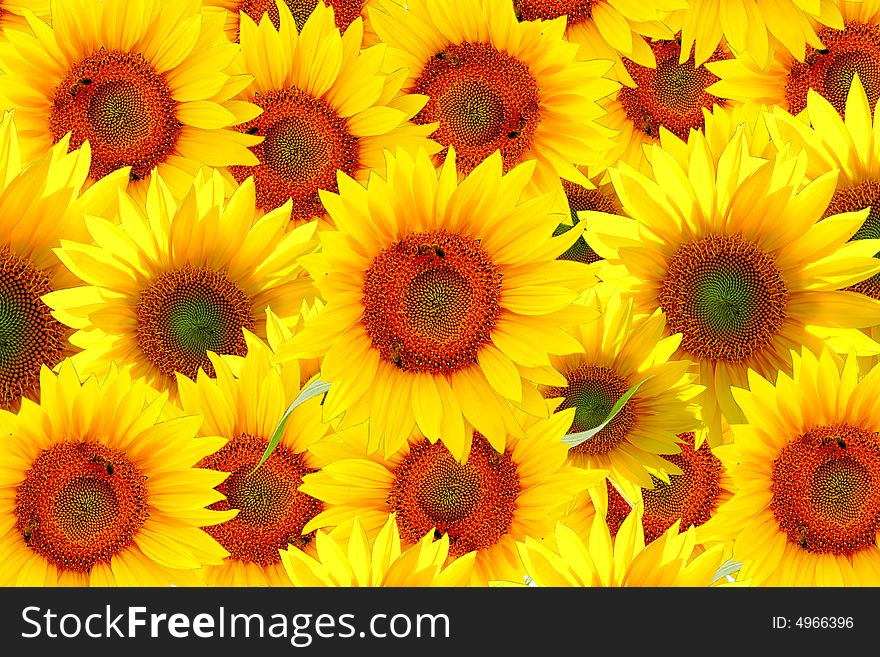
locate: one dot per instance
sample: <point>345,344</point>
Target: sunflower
<point>384,561</point>
<point>844,50</point>
<point>326,108</point>
<point>245,410</point>
<point>345,13</point>
<point>484,503</point>
<point>174,281</point>
<point>142,81</point>
<point>96,490</point>
<point>442,296</point>
<point>497,84</point>
<point>807,508</point>
<point>607,29</point>
<point>733,251</point>
<point>37,206</point>
<point>754,27</point>
<point>624,560</point>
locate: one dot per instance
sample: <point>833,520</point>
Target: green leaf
<point>315,388</point>
<point>575,439</point>
<point>729,567</point>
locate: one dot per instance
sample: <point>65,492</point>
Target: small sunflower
<point>39,205</point>
<point>807,470</point>
<point>143,81</point>
<point>599,197</point>
<point>384,561</point>
<point>245,409</point>
<point>624,560</point>
<point>845,49</point>
<point>173,281</point>
<point>484,503</point>
<point>325,108</point>
<point>444,300</point>
<point>735,252</point>
<point>97,490</point>
<point>497,84</point>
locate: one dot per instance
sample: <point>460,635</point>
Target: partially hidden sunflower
<point>845,48</point>
<point>807,470</point>
<point>245,408</point>
<point>619,353</point>
<point>325,108</point>
<point>38,205</point>
<point>143,81</point>
<point>484,503</point>
<point>496,84</point>
<point>172,281</point>
<point>355,560</point>
<point>735,252</point>
<point>444,297</point>
<point>97,490</point>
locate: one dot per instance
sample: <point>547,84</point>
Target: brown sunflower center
<point>853,199</point>
<point>80,504</point>
<point>305,144</point>
<point>188,312</point>
<point>431,301</point>
<point>483,99</point>
<point>618,509</point>
<point>344,11</point>
<point>592,392</point>
<point>725,296</point>
<point>29,336</point>
<point>116,101</point>
<point>830,71</point>
<point>577,11</point>
<point>272,512</point>
<point>672,95</point>
<point>826,489</point>
<point>473,502</point>
<point>690,497</point>
<point>581,199</point>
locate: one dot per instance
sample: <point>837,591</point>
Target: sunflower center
<point>853,199</point>
<point>618,509</point>
<point>188,312</point>
<point>830,72</point>
<point>577,11</point>
<point>272,512</point>
<point>431,301</point>
<point>725,296</point>
<point>125,110</point>
<point>80,504</point>
<point>690,497</point>
<point>473,502</point>
<point>581,199</point>
<point>29,336</point>
<point>826,490</point>
<point>305,144</point>
<point>592,392</point>
<point>483,99</point>
<point>672,95</point>
<point>344,11</point>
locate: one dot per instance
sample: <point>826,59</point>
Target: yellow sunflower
<point>484,503</point>
<point>735,252</point>
<point>38,205</point>
<point>142,81</point>
<point>444,297</point>
<point>384,561</point>
<point>96,490</point>
<point>624,560</point>
<point>807,508</point>
<point>494,83</point>
<point>607,29</point>
<point>326,108</point>
<point>620,352</point>
<point>754,27</point>
<point>574,199</point>
<point>245,409</point>
<point>171,281</point>
<point>844,49</point>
